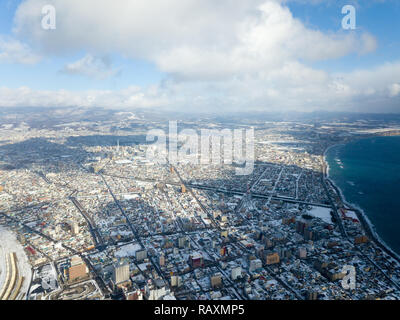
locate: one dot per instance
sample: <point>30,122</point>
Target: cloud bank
<point>227,55</point>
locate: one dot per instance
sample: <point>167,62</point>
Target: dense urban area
<point>85,214</point>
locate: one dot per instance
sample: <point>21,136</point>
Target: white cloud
<point>14,51</point>
<point>267,41</point>
<point>130,97</point>
<point>191,39</point>
<point>293,87</point>
<point>394,89</point>
<point>219,55</point>
<point>91,66</point>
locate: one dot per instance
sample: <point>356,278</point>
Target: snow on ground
<point>126,161</point>
<point>321,212</point>
<point>8,244</point>
<point>3,266</point>
<point>130,196</point>
<point>143,266</point>
<point>122,233</point>
<point>127,251</point>
<point>351,214</point>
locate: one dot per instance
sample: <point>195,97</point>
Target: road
<point>96,236</point>
<point>134,231</point>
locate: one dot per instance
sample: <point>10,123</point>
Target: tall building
<point>121,273</point>
<point>272,258</point>
<point>312,295</point>
<point>302,253</point>
<point>182,241</point>
<point>156,290</point>
<point>308,234</point>
<point>216,280</point>
<point>223,251</point>
<point>141,255</point>
<point>236,273</point>
<point>176,281</point>
<point>196,260</point>
<point>255,265</point>
<point>300,226</point>
<point>74,227</point>
<point>162,260</point>
<point>78,269</point>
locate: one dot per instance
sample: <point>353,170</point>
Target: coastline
<point>367,225</point>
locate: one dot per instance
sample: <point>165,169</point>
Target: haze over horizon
<point>255,55</point>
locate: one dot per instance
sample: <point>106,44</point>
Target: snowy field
<point>127,251</point>
<point>321,212</point>
<point>9,243</point>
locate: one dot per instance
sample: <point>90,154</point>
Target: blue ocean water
<point>368,173</point>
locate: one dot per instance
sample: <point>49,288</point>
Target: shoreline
<point>367,225</point>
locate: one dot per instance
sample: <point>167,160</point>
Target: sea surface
<point>368,173</point>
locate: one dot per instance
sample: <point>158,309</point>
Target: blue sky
<point>47,75</point>
<point>380,18</point>
<point>262,55</point>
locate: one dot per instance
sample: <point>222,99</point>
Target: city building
<point>121,273</point>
